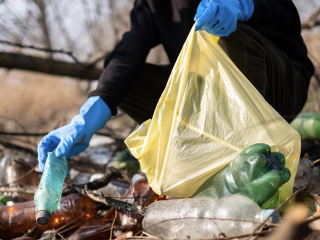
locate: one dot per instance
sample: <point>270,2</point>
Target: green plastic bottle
<point>256,173</point>
<point>48,195</point>
<point>308,125</point>
<point>3,199</point>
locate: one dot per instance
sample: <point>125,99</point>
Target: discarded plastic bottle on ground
<point>256,173</point>
<point>3,166</point>
<point>3,198</point>
<point>48,195</point>
<point>308,125</point>
<point>19,218</point>
<point>205,218</point>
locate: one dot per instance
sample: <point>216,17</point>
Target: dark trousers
<point>279,79</point>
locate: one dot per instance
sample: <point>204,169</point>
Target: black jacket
<point>168,22</point>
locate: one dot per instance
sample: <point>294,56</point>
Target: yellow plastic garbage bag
<point>207,114</point>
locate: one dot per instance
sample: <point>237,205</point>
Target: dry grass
<point>37,101</point>
<point>34,102</point>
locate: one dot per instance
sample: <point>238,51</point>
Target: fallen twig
<point>17,188</point>
<point>110,175</point>
<point>125,235</point>
<point>114,220</point>
<point>149,235</point>
<point>112,202</point>
<point>18,148</point>
<point>312,20</point>
<point>309,220</point>
<point>244,235</point>
<point>19,178</point>
<point>31,231</point>
<point>277,209</point>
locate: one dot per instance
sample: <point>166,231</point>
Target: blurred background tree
<point>76,36</point>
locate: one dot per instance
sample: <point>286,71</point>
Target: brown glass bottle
<point>16,220</point>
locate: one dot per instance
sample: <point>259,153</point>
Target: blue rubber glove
<point>74,138</point>
<point>219,17</point>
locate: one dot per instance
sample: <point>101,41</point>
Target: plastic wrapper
<point>208,113</point>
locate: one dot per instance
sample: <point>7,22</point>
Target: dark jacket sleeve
<point>124,63</point>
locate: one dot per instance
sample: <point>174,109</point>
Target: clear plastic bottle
<point>204,218</point>
<point>3,166</point>
<point>47,197</point>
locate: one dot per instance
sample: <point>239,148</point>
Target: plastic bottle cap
<point>275,218</point>
<point>43,217</point>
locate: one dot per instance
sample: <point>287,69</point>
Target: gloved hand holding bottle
<point>74,138</point>
<point>219,17</point>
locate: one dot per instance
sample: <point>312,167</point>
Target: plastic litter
<point>113,189</point>
<point>48,195</point>
<point>208,113</point>
<point>205,218</point>
<point>137,177</point>
<point>3,199</point>
<point>308,125</point>
<point>3,166</point>
<point>21,217</point>
<point>256,173</point>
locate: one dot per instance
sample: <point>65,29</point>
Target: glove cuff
<point>247,8</point>
<point>93,114</point>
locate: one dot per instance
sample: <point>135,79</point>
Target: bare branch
<point>49,66</point>
<point>277,209</point>
<point>114,25</point>
<point>111,174</point>
<point>84,165</point>
<point>112,202</point>
<point>16,188</point>
<point>69,53</point>
<point>313,20</point>
<point>45,133</point>
<point>42,20</point>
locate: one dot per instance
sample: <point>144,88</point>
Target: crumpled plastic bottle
<point>307,125</point>
<point>256,173</point>
<point>47,197</point>
<point>205,218</point>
